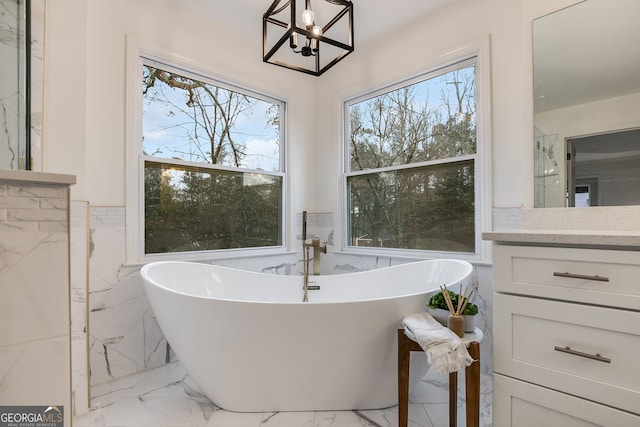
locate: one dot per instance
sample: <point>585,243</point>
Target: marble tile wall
<point>124,336</point>
<point>504,219</point>
<point>78,242</point>
<point>596,218</point>
<point>34,295</point>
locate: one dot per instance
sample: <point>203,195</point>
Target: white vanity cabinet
<point>566,334</point>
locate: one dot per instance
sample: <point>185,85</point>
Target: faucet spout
<point>317,250</point>
<point>306,258</point>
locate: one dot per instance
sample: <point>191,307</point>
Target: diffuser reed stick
<point>447,298</point>
<point>466,301</point>
<point>463,300</point>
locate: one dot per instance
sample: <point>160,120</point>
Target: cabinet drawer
<point>520,404</point>
<point>602,277</point>
<point>590,352</point>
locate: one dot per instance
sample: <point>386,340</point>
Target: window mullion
<point>417,165</point>
<point>202,167</point>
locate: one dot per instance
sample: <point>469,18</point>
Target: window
<point>413,164</point>
<point>212,161</point>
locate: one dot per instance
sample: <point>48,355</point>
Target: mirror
<point>586,90</point>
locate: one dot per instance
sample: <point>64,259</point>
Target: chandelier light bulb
<point>307,18</point>
<point>303,37</point>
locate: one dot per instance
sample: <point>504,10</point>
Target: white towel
<point>445,352</point>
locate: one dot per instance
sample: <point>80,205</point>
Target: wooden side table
<point>472,380</point>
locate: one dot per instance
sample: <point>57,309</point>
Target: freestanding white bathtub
<point>252,345</point>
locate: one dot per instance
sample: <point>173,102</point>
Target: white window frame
<point>478,52</point>
<point>140,53</point>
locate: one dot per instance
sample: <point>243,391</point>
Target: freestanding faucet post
<point>317,249</point>
<point>305,258</point>
<point>304,227</point>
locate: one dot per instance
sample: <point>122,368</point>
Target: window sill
<point>211,255</point>
<point>417,255</point>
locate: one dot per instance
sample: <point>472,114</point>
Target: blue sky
<point>167,130</point>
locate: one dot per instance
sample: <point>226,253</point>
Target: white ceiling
<point>372,18</point>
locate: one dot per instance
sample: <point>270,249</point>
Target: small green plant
<point>438,301</point>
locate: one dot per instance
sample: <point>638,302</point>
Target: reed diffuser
<point>455,322</point>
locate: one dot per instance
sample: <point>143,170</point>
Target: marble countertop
<point>626,239</point>
<point>36,177</point>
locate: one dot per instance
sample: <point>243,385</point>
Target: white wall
<point>596,117</point>
<point>64,112</point>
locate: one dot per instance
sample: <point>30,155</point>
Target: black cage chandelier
<point>309,39</point>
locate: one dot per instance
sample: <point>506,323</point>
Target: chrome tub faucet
<point>317,250</point>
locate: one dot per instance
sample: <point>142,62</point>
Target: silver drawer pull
<point>568,350</point>
<point>581,276</point>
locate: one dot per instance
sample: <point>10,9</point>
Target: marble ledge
<point>32,177</point>
<point>629,240</point>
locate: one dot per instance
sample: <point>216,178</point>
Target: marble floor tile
<point>388,417</point>
<point>222,418</point>
<point>289,419</point>
<point>168,397</point>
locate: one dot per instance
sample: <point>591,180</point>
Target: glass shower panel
<point>13,84</point>
<point>548,179</point>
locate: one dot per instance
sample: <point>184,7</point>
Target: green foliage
<point>206,211</point>
<point>438,301</point>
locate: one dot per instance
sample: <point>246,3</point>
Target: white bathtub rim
<point>464,275</point>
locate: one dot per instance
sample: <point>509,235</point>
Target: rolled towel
<point>445,352</point>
